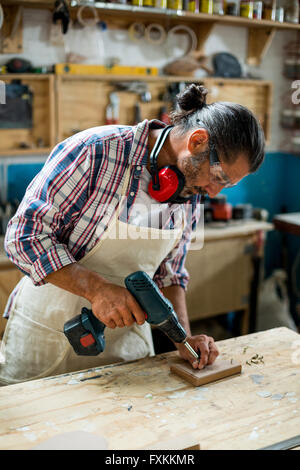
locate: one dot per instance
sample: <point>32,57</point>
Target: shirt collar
<point>139,149</point>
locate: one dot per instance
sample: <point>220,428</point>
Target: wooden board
<point>138,404</point>
<point>219,370</point>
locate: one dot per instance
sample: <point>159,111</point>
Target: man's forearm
<point>78,280</point>
<point>176,295</point>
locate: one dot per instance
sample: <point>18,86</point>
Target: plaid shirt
<point>77,191</point>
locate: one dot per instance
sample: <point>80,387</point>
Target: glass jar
<point>175,4</point>
<point>218,7</point>
<point>160,3</point>
<point>232,8</point>
<point>246,9</point>
<point>269,10</point>
<point>292,11</point>
<point>207,6</point>
<point>191,5</point>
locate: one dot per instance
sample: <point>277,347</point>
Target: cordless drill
<point>86,333</point>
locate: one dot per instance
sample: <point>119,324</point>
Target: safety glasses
<point>216,171</point>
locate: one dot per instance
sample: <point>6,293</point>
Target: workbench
<point>138,404</point>
<point>225,274</point>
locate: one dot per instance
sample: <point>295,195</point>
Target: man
<point>63,236</point>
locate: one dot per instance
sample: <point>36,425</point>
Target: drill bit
<point>191,350</point>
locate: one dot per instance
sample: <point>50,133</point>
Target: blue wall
<point>275,187</point>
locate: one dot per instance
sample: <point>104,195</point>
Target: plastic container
<point>257,10</point>
<point>280,14</point>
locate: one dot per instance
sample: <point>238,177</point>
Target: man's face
<point>201,178</point>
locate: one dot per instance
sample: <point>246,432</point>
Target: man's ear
<point>197,141</point>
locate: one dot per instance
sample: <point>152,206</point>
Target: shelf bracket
<point>259,41</point>
<point>11,35</point>
<point>203,31</point>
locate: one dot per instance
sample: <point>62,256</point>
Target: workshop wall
<point>101,45</point>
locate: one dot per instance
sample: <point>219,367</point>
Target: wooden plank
<point>136,404</point>
<point>217,371</point>
<point>116,10</point>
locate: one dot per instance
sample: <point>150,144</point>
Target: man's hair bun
<point>193,98</point>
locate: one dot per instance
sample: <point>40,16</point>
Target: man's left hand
<point>204,346</point>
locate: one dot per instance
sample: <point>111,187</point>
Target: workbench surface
<point>137,404</point>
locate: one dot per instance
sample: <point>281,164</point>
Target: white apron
<point>34,343</point>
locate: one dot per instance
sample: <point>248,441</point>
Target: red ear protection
<point>167,182</point>
<point>171,183</point>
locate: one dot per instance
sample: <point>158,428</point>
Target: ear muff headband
<point>167,182</point>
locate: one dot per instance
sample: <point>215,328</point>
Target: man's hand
<point>203,345</point>
<point>111,304</point>
<point>115,306</point>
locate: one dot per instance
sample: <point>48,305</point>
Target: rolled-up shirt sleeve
<point>34,239</point>
<point>172,270</point>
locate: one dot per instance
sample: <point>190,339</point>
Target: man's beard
<point>190,168</point>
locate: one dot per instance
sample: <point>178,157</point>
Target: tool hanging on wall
<point>112,109</point>
<point>87,21</point>
<point>192,46</point>
<point>140,88</point>
<point>61,13</point>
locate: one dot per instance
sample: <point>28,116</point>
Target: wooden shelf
<point>260,32</point>
<point>150,13</point>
